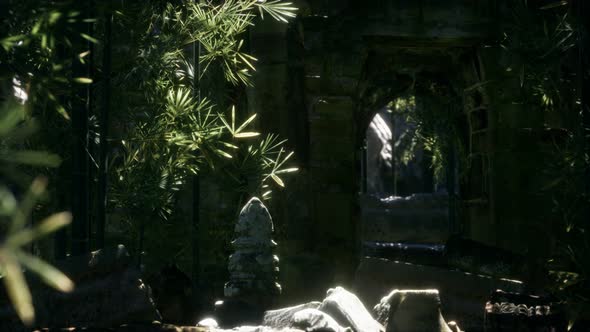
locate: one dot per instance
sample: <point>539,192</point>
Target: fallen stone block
<point>208,323</point>
<point>463,295</point>
<point>349,311</point>
<point>281,318</point>
<point>313,320</point>
<point>259,329</point>
<point>411,311</point>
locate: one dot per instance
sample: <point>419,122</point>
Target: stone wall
<point>419,218</point>
<point>320,79</point>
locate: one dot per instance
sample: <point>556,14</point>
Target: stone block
<point>421,218</point>
<point>330,85</point>
<point>314,65</point>
<point>327,155</point>
<point>349,311</point>
<point>341,107</point>
<point>259,329</point>
<point>208,323</point>
<point>411,311</point>
<point>314,320</point>
<point>338,128</point>
<point>282,318</point>
<point>339,178</point>
<point>269,48</point>
<point>463,295</point>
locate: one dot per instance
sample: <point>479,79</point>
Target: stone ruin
<point>342,311</point>
<point>253,285</point>
<point>106,277</point>
<point>253,267</point>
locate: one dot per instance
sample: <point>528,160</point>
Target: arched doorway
<point>410,165</point>
<point>398,160</point>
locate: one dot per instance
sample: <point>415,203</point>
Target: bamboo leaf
<point>222,118</point>
<point>233,118</point>
<point>82,80</point>
<point>287,170</point>
<point>17,288</point>
<point>223,153</point>
<point>45,227</point>
<point>33,158</point>
<point>247,122</point>
<point>277,180</point>
<point>89,38</point>
<point>50,275</point>
<point>53,223</point>
<point>229,145</point>
<point>246,135</point>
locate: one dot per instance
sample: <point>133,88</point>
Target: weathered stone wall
<point>314,88</point>
<point>419,218</point>
<point>320,79</point>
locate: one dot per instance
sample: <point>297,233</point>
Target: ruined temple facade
<point>320,80</point>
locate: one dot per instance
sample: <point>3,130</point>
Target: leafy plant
<point>34,78</point>
<point>543,42</point>
<point>15,232</point>
<point>168,132</point>
<point>428,128</point>
<point>37,36</point>
<point>539,40</point>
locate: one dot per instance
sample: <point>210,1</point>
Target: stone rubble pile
<point>342,311</point>
<point>252,288</point>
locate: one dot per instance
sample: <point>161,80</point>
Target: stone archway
<point>343,66</point>
<point>341,102</point>
<point>435,75</point>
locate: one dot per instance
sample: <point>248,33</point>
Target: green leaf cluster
<point>16,234</point>
<point>37,36</point>
<point>168,132</point>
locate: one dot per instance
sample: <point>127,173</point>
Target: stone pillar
<point>253,268</point>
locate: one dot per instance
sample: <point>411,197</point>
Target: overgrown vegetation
<point>15,229</point>
<point>164,127</point>
<point>31,80</point>
<point>175,118</point>
<point>432,127</point>
<point>545,42</point>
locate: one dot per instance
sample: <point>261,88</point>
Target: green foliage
<point>570,262</point>
<point>166,131</point>
<point>34,79</point>
<point>431,127</point>
<point>37,36</point>
<point>543,43</point>
<point>13,216</point>
<point>539,41</point>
